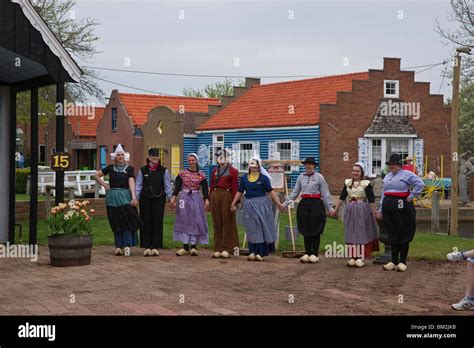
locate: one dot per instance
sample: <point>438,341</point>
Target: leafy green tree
<point>214,90</point>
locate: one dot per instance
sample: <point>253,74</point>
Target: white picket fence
<point>82,181</point>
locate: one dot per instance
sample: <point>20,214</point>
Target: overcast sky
<point>265,38</point>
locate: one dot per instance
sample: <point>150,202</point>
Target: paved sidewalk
<point>170,285</point>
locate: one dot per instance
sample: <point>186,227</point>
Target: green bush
<point>21,180</point>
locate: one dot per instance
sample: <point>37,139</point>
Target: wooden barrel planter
<point>67,251</point>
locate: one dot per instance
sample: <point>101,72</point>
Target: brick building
<point>389,112</point>
<point>79,134</point>
<point>139,121</point>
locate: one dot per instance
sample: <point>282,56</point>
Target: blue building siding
<point>307,137</point>
<point>189,145</point>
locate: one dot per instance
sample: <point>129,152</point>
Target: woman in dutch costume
<point>258,211</point>
<point>224,183</point>
<point>397,211</point>
<point>153,188</point>
<point>191,222</point>
<point>121,201</point>
<point>310,214</point>
<point>360,224</point>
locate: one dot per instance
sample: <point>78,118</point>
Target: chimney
<point>251,81</point>
<point>226,100</point>
<point>391,64</point>
<point>213,109</point>
<point>238,91</point>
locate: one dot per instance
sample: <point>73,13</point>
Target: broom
<point>293,253</point>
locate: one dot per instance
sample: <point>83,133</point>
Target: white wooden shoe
<point>251,257</point>
<point>259,258</point>
<point>313,259</point>
<point>147,252</point>
<point>359,263</point>
<point>155,252</point>
<point>216,255</point>
<point>225,255</point>
<point>389,266</point>
<point>304,258</point>
<point>351,263</point>
<point>118,252</point>
<point>182,252</point>
<point>401,267</point>
<point>193,252</point>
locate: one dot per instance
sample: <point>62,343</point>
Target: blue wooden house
<point>264,119</point>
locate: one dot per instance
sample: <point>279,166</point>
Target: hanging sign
<point>60,161</point>
<point>277,172</point>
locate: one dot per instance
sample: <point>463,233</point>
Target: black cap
<point>394,159</point>
<point>153,151</point>
<point>310,160</point>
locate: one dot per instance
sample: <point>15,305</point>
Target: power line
<point>429,66</point>
<point>136,88</point>
<point>227,76</point>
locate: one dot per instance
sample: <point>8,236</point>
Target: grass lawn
<point>25,197</point>
<point>425,246</point>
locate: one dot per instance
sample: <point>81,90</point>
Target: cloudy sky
<point>262,38</point>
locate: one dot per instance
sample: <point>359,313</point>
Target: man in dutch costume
<point>153,187</point>
<point>310,214</point>
<point>397,211</point>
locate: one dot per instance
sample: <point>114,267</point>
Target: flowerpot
<point>67,251</point>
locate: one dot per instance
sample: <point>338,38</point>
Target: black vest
<point>153,182</point>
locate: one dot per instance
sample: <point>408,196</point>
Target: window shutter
<point>418,154</point>
<point>256,148</point>
<point>295,154</point>
<point>364,153</point>
<point>235,155</point>
<point>271,149</point>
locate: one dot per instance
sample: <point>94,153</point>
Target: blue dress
<point>258,215</point>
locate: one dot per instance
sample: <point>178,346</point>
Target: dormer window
<point>391,89</point>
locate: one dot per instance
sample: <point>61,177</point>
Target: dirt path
<point>202,285</point>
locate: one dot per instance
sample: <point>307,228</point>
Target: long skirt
<point>311,217</point>
<point>123,218</point>
<point>191,222</point>
<point>398,219</point>
<point>152,211</point>
<point>259,225</point>
<point>223,221</point>
<point>360,227</point>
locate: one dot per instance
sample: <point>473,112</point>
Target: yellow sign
<point>60,161</point>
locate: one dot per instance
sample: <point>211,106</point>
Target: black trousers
<point>311,244</point>
<point>399,220</point>
<point>152,211</point>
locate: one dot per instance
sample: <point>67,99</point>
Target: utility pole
<point>455,141</point>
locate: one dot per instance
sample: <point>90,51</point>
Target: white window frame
<point>276,150</point>
<point>254,144</point>
<point>397,89</point>
<point>215,144</point>
<point>384,148</point>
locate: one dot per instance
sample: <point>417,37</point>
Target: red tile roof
<point>139,105</point>
<point>83,124</point>
<point>268,105</point>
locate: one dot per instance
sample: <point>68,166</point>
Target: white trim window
<point>391,89</point>
<point>380,149</point>
<point>247,149</point>
<point>217,145</point>
<point>284,148</point>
